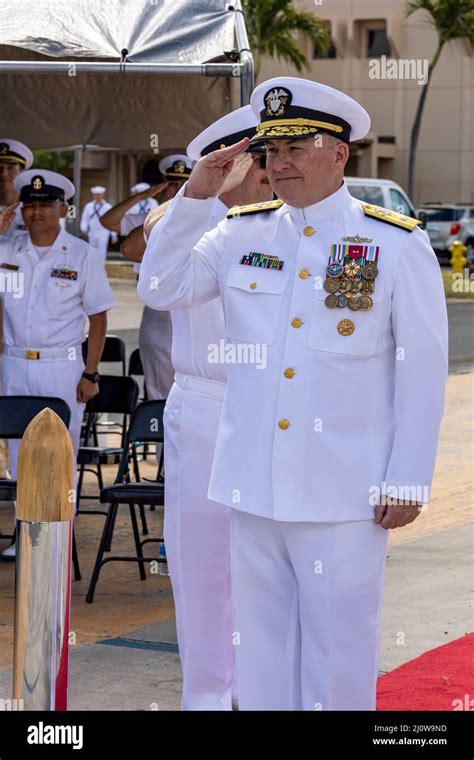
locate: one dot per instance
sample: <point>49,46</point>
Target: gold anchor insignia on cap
<point>179,167</point>
<point>276,100</point>
<point>345,327</point>
<point>37,183</point>
<point>3,148</point>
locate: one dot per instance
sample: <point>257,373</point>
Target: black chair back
<point>146,426</point>
<point>117,395</point>
<point>135,366</point>
<point>147,422</point>
<point>16,412</point>
<point>114,351</point>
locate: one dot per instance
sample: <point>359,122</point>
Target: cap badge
<point>276,100</point>
<point>179,167</point>
<point>3,148</point>
<point>37,183</point>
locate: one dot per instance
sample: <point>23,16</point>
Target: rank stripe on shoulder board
<point>254,208</point>
<point>391,217</point>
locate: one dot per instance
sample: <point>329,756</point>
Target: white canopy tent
<point>135,75</point>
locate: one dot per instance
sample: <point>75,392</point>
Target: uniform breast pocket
<point>252,300</point>
<point>62,295</point>
<point>358,338</point>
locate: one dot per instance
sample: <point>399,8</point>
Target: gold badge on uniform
<point>345,327</point>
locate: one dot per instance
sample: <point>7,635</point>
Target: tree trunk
<point>415,131</point>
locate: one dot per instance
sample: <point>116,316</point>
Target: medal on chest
<point>350,276</point>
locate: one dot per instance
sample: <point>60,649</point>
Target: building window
<point>330,52</point>
<point>373,38</point>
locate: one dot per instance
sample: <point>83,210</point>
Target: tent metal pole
<point>114,68</point>
<point>78,150</point>
<point>246,59</point>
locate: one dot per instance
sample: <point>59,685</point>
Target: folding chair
<point>117,395</point>
<point>135,367</point>
<point>114,352</point>
<point>145,425</point>
<point>16,413</point>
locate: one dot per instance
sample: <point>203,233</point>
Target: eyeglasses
<point>261,158</point>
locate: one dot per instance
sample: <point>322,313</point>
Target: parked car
<point>447,222</point>
<point>381,192</point>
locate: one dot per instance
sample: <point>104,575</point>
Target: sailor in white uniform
<point>331,439</point>
<point>51,283</point>
<point>91,225</point>
<point>197,530</point>
<point>15,157</point>
<point>155,334</point>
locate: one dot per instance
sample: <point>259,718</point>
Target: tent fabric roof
<point>121,110</point>
<point>158,31</point>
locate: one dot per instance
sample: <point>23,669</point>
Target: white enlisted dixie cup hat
<point>228,130</point>
<point>15,152</point>
<point>176,166</point>
<point>140,187</point>
<point>98,189</point>
<point>289,107</point>
<point>43,185</point>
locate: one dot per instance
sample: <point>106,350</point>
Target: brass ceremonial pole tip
<point>45,471</point>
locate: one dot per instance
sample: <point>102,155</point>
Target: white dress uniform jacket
<point>359,410</point>
<point>47,313</point>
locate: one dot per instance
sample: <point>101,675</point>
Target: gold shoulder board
<point>391,217</point>
<point>254,208</point>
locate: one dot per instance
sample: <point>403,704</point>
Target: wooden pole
<point>45,499</point>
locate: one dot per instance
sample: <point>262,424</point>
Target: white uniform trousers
<point>197,539</point>
<point>307,598</point>
<point>45,377</point>
<point>154,340</point>
<point>99,239</point>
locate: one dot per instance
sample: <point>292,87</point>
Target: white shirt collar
<point>328,207</point>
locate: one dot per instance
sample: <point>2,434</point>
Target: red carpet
<point>441,679</point>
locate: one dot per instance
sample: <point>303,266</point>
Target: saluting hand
<point>211,171</point>
<point>238,173</point>
<point>153,190</point>
<point>6,217</point>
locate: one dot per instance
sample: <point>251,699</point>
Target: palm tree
<point>453,20</point>
<point>271,27</point>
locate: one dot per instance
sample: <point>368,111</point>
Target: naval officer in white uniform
<point>197,530</point>
<point>51,282</point>
<point>155,333</point>
<point>15,157</point>
<point>347,302</point>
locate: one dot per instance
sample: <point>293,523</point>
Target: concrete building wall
<point>445,158</point>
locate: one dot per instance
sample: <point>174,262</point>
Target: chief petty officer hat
<point>15,152</point>
<point>43,185</point>
<point>228,130</point>
<point>176,166</point>
<point>290,107</point>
